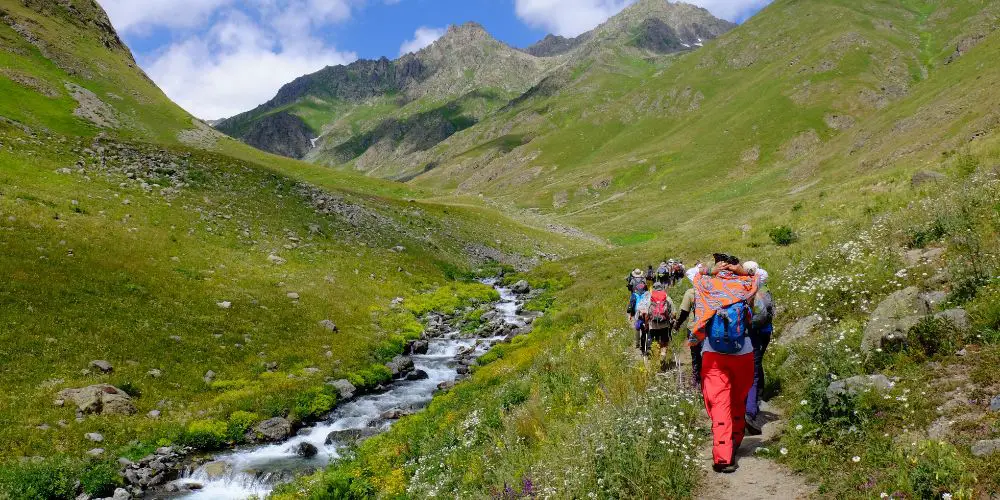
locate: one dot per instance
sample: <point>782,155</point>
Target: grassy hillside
<point>155,244</point>
<point>710,151</point>
<point>763,105</point>
<point>132,233</point>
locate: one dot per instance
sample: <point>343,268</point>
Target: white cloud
<point>731,10</point>
<point>567,17</point>
<point>137,15</point>
<point>239,63</point>
<point>423,37</point>
<point>573,17</point>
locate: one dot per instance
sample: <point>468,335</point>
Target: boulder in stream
<point>417,347</point>
<point>350,436</point>
<point>273,429</point>
<point>306,450</point>
<point>417,375</point>
<point>400,366</point>
<point>394,414</point>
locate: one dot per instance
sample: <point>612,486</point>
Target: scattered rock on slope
<point>102,365</point>
<point>521,287</point>
<point>986,447</point>
<point>893,318</point>
<point>854,385</point>
<point>345,389</point>
<point>101,399</point>
<point>800,329</point>
<point>958,318</point>
<point>925,176</point>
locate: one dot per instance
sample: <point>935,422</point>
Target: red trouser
<point>725,383</point>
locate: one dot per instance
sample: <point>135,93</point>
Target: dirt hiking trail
<point>757,478</point>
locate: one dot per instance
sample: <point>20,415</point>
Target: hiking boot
<point>752,429</point>
<point>725,468</point>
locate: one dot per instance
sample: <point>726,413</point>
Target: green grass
<point>564,410</point>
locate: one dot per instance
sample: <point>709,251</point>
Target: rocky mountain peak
<point>463,35</point>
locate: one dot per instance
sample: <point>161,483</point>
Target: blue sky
<point>217,58</point>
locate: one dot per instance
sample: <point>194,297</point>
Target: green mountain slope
<point>382,117</point>
<point>757,105</point>
<point>200,268</point>
<point>336,101</point>
<point>855,159</point>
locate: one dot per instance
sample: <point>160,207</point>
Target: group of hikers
<point>731,312</point>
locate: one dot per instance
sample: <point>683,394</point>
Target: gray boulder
<point>418,347</point>
<point>345,389</point>
<point>329,325</point>
<point>100,399</point>
<point>209,377</point>
<point>802,328</point>
<point>350,436</point>
<point>102,365</point>
<point>417,375</point>
<point>306,450</point>
<point>216,469</point>
<point>96,452</point>
<point>958,318</point>
<point>856,385</point>
<point>400,366</point>
<point>918,256</point>
<point>273,429</point>
<point>121,494</point>
<point>936,299</point>
<point>94,436</point>
<point>986,447</point>
<point>925,176</point>
<point>891,321</point>
<point>394,414</point>
<point>521,287</point>
<point>995,403</point>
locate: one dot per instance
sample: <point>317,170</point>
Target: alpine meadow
<point>404,278</point>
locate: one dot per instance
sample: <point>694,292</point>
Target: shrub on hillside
<point>46,479</point>
<point>935,468</point>
<point>314,403</point>
<point>100,479</point>
<point>206,434</point>
<point>932,337</point>
<point>131,389</point>
<point>921,235</point>
<point>783,236</point>
<point>239,423</point>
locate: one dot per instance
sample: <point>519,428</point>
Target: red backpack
<point>659,310</point>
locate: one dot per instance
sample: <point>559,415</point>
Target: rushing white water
<point>255,471</point>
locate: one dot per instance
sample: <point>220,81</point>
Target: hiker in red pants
<point>723,311</point>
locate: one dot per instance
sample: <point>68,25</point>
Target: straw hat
<point>637,273</point>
